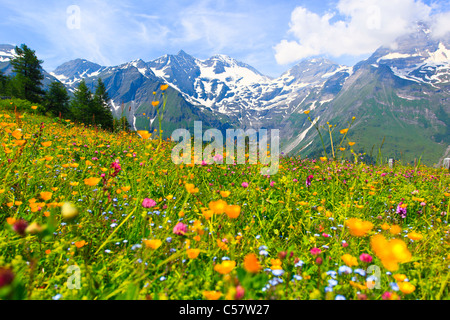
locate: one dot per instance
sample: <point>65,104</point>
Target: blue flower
<point>332,282</point>
<point>299,264</point>
<point>394,286</point>
<point>278,272</point>
<point>57,297</point>
<point>340,297</point>
<point>361,272</point>
<point>344,269</point>
<point>332,273</point>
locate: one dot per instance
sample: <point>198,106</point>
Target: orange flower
<point>358,227</point>
<point>306,111</point>
<point>225,194</point>
<point>155,103</point>
<point>351,143</point>
<point>385,226</point>
<point>350,260</point>
<point>233,211</point>
<point>34,107</point>
<point>391,252</point>
<point>193,253</point>
<point>11,220</point>
<point>92,181</point>
<point>164,87</point>
<point>208,214</point>
<point>46,143</point>
<point>80,244</point>
<point>17,134</point>
<point>46,195</point>
<point>406,287</point>
<point>395,229</point>
<point>218,206</point>
<point>415,236</point>
<point>212,295</point>
<point>276,264</point>
<point>251,263</point>
<point>344,131</point>
<point>48,251</point>
<point>191,188</point>
<point>153,244</point>
<point>225,267</point>
<point>399,277</point>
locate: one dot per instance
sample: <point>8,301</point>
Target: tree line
<point>26,83</point>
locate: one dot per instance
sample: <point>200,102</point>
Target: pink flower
<point>315,251</point>
<point>218,158</point>
<point>365,257</point>
<point>239,292</point>
<point>345,244</point>
<point>272,183</point>
<point>386,295</point>
<point>245,184</point>
<point>180,229</point>
<point>148,203</point>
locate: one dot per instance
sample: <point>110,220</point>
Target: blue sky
<point>270,35</point>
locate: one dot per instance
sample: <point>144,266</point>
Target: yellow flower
<point>34,107</point>
<point>351,143</point>
<point>344,131</point>
<point>406,287</point>
<point>153,244</point>
<point>251,263</point>
<point>358,227</point>
<point>164,87</point>
<point>193,253</point>
<point>349,260</point>
<point>323,159</point>
<point>385,226</point>
<point>155,103</point>
<point>212,295</point>
<point>225,267</point>
<point>92,181</point>
<point>306,111</point>
<point>46,195</point>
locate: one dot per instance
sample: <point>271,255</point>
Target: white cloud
<point>357,27</point>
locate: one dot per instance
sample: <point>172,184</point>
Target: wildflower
<point>232,211</point>
<point>218,206</point>
<point>315,251</point>
<point>351,143</point>
<point>401,210</point>
<point>240,292</point>
<point>20,226</point>
<point>164,87</point>
<point>92,181</point>
<point>251,263</point>
<point>245,184</point>
<point>343,131</point>
<point>212,295</point>
<point>180,229</point>
<point>225,267</point>
<point>365,257</point>
<point>415,236</point>
<point>308,180</point>
<point>148,203</point>
<point>306,111</point>
<point>406,287</point>
<point>155,103</point>
<point>225,194</point>
<point>34,228</point>
<point>80,244</point>
<point>193,253</point>
<point>385,226</point>
<point>395,229</point>
<point>191,188</point>
<point>391,252</point>
<point>358,227</point>
<point>69,211</point>
<point>46,143</point>
<point>6,277</point>
<point>46,195</point>
<point>153,244</point>
<point>276,264</point>
<point>349,260</point>
<point>399,277</point>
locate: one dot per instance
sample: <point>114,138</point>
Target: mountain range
<point>399,97</point>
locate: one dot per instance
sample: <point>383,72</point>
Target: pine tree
<point>81,104</point>
<point>29,76</point>
<point>101,108</point>
<point>57,99</point>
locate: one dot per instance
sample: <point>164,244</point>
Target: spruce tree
<point>28,74</point>
<point>57,99</point>
<point>102,110</point>
<point>81,104</point>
